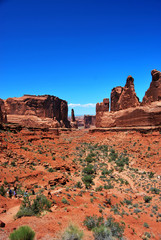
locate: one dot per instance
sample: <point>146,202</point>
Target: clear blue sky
<point>78,50</point>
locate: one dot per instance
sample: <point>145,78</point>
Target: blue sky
<point>78,50</point>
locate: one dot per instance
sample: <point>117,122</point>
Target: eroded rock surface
<point>126,109</point>
<point>124,97</point>
<point>40,107</point>
<point>3,115</point>
<point>73,122</point>
<point>154,92</point>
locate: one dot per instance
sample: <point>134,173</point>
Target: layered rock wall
<point>3,115</point>
<point>44,106</point>
<point>127,111</point>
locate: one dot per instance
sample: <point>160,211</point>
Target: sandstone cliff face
<point>126,110</point>
<point>154,92</point>
<point>44,106</point>
<point>115,96</point>
<point>124,97</point>
<point>149,115</point>
<point>104,106</point>
<point>3,115</point>
<point>89,120</point>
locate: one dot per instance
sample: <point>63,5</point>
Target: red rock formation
<point>3,115</point>
<point>73,122</point>
<point>44,106</point>
<point>104,106</point>
<point>89,120</point>
<point>124,97</point>
<point>126,110</point>
<point>149,115</point>
<point>154,92</point>
<point>72,115</point>
<point>115,96</point>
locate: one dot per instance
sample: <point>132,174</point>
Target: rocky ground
<point>124,180</point>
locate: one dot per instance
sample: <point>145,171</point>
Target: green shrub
<point>99,188</point>
<point>128,202</point>
<point>88,180</point>
<point>155,190</point>
<point>78,184</point>
<point>104,229</point>
<point>89,169</point>
<point>102,233</point>
<point>89,158</point>
<point>147,199</point>
<point>50,170</point>
<point>92,222</point>
<point>35,207</point>
<point>151,175</point>
<point>2,191</point>
<point>146,225</point>
<point>72,233</point>
<point>64,200</point>
<point>22,233</point>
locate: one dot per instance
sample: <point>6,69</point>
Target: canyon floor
<point>125,171</point>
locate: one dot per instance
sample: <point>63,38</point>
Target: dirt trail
<point>9,215</point>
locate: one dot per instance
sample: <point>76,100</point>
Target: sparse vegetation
<point>35,207</point>
<point>22,233</point>
<point>72,233</point>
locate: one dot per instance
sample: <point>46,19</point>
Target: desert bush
<point>89,169</point>
<point>92,222</point>
<point>99,188</point>
<point>147,199</point>
<point>35,207</point>
<point>89,158</point>
<point>102,233</point>
<point>50,170</point>
<point>2,191</point>
<point>146,225</point>
<point>88,180</point>
<point>22,233</point>
<point>104,229</point>
<point>113,155</point>
<point>128,202</point>
<point>64,200</point>
<point>78,184</point>
<point>151,175</point>
<point>72,233</point>
<point>155,190</point>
